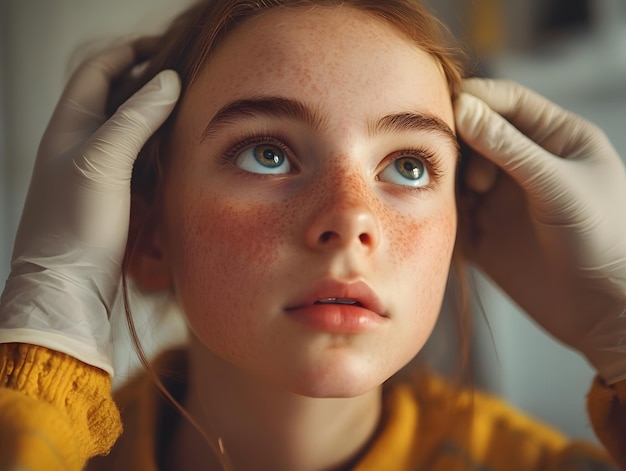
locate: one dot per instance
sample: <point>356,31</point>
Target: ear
<point>147,263</point>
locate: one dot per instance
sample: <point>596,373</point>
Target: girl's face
<point>309,212</point>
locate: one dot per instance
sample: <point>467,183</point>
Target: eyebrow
<point>413,121</point>
<point>271,107</point>
<point>287,108</point>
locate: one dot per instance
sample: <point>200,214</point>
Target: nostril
<point>326,236</point>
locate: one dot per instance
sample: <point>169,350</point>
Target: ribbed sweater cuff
<point>58,400</point>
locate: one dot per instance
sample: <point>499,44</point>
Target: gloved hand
<point>72,235</point>
<point>548,224</point>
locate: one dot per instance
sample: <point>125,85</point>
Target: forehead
<point>325,57</point>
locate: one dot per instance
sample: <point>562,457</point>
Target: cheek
<point>422,255</point>
<point>229,235</point>
<point>423,243</point>
<point>225,256</point>
<point>218,239</point>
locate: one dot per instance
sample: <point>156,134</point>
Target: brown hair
<point>190,41</point>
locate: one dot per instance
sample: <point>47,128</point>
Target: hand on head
<point>72,236</point>
<point>549,226</point>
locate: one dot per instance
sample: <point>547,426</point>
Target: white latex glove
<point>548,224</point>
<point>72,235</point>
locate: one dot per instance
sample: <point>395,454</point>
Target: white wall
<point>39,37</point>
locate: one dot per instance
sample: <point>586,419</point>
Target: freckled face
<point>313,153</point>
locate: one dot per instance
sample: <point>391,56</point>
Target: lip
<point>365,316</point>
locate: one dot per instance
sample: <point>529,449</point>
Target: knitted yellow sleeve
<point>55,411</point>
<point>607,410</point>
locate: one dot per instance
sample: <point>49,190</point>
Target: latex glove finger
<point>113,148</point>
<point>547,178</point>
<point>541,120</point>
<point>493,137</point>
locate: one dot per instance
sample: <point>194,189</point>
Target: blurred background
<point>572,51</point>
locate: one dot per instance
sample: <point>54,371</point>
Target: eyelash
<point>432,161</point>
<point>249,140</point>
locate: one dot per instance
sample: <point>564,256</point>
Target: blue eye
<point>407,171</point>
<point>264,159</point>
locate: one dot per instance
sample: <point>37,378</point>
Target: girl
<point>300,205</point>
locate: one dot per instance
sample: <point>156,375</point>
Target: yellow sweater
<point>56,413</point>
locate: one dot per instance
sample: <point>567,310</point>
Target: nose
<point>345,217</point>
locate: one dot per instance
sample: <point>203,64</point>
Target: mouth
<point>339,308</point>
<point>331,292</point>
<point>346,301</point>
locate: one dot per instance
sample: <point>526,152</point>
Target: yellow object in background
<point>486,26</point>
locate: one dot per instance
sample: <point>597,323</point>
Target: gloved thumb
<point>107,157</point>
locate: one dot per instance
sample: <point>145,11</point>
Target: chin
<point>337,380</point>
<point>337,371</point>
<point>321,390</point>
